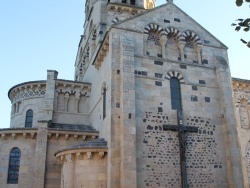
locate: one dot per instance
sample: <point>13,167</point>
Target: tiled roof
<point>71,127</point>
<point>99,143</point>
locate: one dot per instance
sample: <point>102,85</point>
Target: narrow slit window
<point>29,119</point>
<point>14,164</point>
<point>104,102</point>
<point>175,88</point>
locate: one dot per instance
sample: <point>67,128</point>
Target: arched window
<point>29,119</point>
<point>14,164</point>
<point>175,88</point>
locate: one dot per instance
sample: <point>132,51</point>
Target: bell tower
<point>99,16</point>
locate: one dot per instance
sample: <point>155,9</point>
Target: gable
<point>169,16</point>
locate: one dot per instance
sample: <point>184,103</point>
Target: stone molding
<point>27,90</point>
<point>55,134</point>
<point>13,133</point>
<point>52,134</point>
<point>80,154</point>
<point>125,8</point>
<point>104,49</point>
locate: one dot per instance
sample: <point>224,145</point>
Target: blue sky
<point>39,35</point>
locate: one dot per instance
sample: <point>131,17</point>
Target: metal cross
<point>182,130</point>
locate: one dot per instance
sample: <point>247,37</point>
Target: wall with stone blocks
<point>53,167</point>
<point>27,146</point>
<point>157,150</point>
<point>241,93</point>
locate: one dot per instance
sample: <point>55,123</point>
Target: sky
<point>41,35</point>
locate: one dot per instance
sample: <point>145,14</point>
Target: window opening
<point>29,119</point>
<point>104,102</point>
<point>175,94</point>
<point>14,164</point>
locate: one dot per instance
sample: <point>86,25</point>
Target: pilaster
<point>128,126</point>
<point>50,94</point>
<point>40,154</point>
<point>232,148</point>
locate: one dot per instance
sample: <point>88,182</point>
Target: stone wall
<point>241,93</point>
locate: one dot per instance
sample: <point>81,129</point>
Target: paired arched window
<point>175,88</point>
<point>14,164</point>
<point>29,119</point>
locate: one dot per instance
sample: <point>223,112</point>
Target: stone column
<point>68,171</point>
<point>199,50</point>
<point>163,42</point>
<point>77,99</point>
<point>66,100</point>
<point>40,155</point>
<point>232,147</point>
<point>181,46</point>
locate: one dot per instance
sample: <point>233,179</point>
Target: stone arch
<point>243,97</point>
<point>243,110</point>
<point>152,43</point>
<point>171,39</point>
<point>152,27</point>
<point>193,36</point>
<point>176,32</point>
<point>193,47</point>
<point>175,74</point>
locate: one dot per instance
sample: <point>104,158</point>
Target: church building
<point>152,105</point>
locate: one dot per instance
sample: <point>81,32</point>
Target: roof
<point>99,143</point>
<point>72,127</point>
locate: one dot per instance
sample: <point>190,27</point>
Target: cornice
<point>13,133</point>
<point>72,155</point>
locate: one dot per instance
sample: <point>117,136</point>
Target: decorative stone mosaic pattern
<point>202,153</point>
<point>161,153</point>
<point>29,94</point>
<point>248,160</point>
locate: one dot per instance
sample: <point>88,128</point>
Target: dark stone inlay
<point>144,73</point>
<point>166,21</point>
<point>158,75</point>
<point>160,109</point>
<point>194,88</point>
<point>157,83</point>
<point>118,71</point>
<point>204,61</point>
<point>147,53</point>
<point>195,62</point>
<point>207,99</point>
<point>206,41</point>
<point>118,105</point>
<point>183,66</point>
<point>185,55</point>
<point>159,55</point>
<point>194,98</point>
<point>177,20</point>
<point>158,62</point>
<point>179,58</point>
<point>202,82</point>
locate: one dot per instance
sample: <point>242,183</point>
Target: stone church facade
<point>136,66</point>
